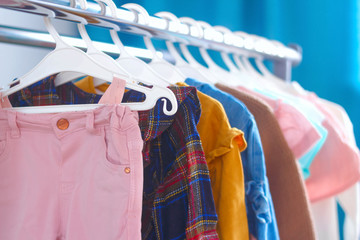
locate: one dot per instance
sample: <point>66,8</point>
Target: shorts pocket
<point>117,152</point>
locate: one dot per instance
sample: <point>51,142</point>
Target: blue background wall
<point>328,33</point>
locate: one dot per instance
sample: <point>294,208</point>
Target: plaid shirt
<point>177,199</point>
<point>44,93</point>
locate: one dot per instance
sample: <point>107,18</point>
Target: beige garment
<point>286,185</point>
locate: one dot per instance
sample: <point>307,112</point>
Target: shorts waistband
<point>116,116</point>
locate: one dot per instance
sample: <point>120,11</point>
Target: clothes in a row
<point>230,164</point>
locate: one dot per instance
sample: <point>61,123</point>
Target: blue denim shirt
<point>259,206</point>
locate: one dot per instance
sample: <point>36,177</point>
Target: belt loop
<point>112,117</point>
<point>15,131</point>
<point>119,116</point>
<point>90,121</point>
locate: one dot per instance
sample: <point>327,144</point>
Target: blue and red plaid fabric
<point>177,200</point>
<point>44,93</point>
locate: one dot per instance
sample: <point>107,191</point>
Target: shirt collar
<point>156,121</point>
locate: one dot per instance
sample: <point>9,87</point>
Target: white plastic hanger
<point>260,64</point>
<point>240,75</point>
<point>290,88</point>
<point>164,68</point>
<point>273,86</point>
<point>210,78</point>
<point>223,75</point>
<point>168,16</point>
<point>224,55</point>
<point>286,91</point>
<point>68,58</point>
<point>97,55</point>
<point>242,61</point>
<point>204,54</point>
<point>273,82</point>
<point>239,62</point>
<point>134,65</point>
<point>180,63</point>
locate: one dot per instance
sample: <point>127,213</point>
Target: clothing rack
<point>284,58</point>
<point>28,37</point>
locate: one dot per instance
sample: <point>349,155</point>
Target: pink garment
<point>299,133</point>
<point>336,167</point>
<point>80,178</point>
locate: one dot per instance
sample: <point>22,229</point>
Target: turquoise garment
<point>259,206</point>
<point>314,116</point>
<point>306,160</point>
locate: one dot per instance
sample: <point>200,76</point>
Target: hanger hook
<point>170,17</point>
<point>228,38</point>
<point>239,56</point>
<point>226,32</point>
<point>165,108</point>
<point>137,10</point>
<point>176,23</point>
<point>261,45</point>
<point>204,54</point>
<point>73,3</point>
<point>183,46</point>
<point>59,43</point>
<point>113,32</point>
<point>190,22</point>
<point>110,4</point>
<point>249,42</point>
<point>206,26</point>
<point>172,21</point>
<point>81,26</point>
<point>228,35</point>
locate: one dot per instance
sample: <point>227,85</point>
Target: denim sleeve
<point>259,205</point>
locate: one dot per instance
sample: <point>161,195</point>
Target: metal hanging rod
<point>44,40</point>
<point>155,28</point>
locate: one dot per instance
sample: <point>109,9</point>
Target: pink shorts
<point>71,176</point>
